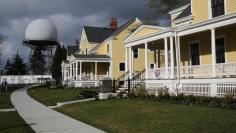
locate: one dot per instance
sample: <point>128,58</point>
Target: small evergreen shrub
<point>121,94</point>
<point>131,94</point>
<point>87,93</point>
<point>141,92</point>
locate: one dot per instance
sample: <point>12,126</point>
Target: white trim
<point>191,6</point>
<point>146,58</point>
<point>207,25</point>
<point>209,10</point>
<point>213,52</point>
<point>111,54</point>
<point>166,57</point>
<point>178,9</point>
<point>130,62</point>
<point>172,62</point>
<point>149,38</point>
<point>184,19</point>
<point>142,27</point>
<point>225,4</point>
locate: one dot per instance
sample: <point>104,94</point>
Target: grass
<point>5,101</point>
<point>126,116</point>
<point>11,122</point>
<point>51,97</point>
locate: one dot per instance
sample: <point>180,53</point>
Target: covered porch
<point>203,50</point>
<point>86,70</point>
<point>199,59</point>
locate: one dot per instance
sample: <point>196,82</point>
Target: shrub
<point>141,92</point>
<point>87,93</point>
<point>110,97</point>
<point>151,95</point>
<point>131,94</point>
<point>163,94</point>
<point>121,94</point>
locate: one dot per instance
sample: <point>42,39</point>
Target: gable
<point>143,31</point>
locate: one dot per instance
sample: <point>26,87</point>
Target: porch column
<point>76,70</point>
<point>130,63</point>
<point>166,57</point>
<point>126,62</point>
<point>213,52</point>
<point>80,70</point>
<point>146,59</point>
<point>70,70</point>
<point>172,64</point>
<point>96,70</point>
<point>110,69</point>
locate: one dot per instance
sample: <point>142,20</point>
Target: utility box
<point>106,85</point>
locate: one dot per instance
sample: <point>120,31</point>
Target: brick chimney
<point>113,24</point>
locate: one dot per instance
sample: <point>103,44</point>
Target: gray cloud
<point>68,15</point>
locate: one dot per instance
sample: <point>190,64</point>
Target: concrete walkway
<point>45,120</point>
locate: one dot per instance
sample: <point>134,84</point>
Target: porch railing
<point>92,77</point>
<point>226,69</point>
<point>201,71</point>
<point>205,71</point>
<point>158,73</point>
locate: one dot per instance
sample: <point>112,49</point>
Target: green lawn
<point>11,122</point>
<point>51,97</point>
<point>133,116</point>
<point>5,101</point>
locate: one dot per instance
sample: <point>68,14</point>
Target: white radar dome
<point>41,30</point>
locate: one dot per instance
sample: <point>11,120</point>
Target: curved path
<point>45,120</point>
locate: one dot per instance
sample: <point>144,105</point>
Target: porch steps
<point>123,89</point>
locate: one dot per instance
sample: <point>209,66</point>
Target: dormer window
<point>217,7</point>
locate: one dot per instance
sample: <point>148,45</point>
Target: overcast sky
<point>68,15</point>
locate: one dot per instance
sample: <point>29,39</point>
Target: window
<point>195,54</point>
<point>135,52</point>
<point>122,67</point>
<point>218,8</point>
<point>152,66</point>
<point>220,50</point>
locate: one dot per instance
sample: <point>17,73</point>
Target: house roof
<point>123,26</point>
<point>97,34</point>
<point>185,13</point>
<point>72,49</point>
<point>181,3</point>
<point>92,57</point>
<point>119,30</point>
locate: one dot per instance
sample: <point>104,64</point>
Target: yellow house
<point>196,55</point>
<point>102,54</point>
